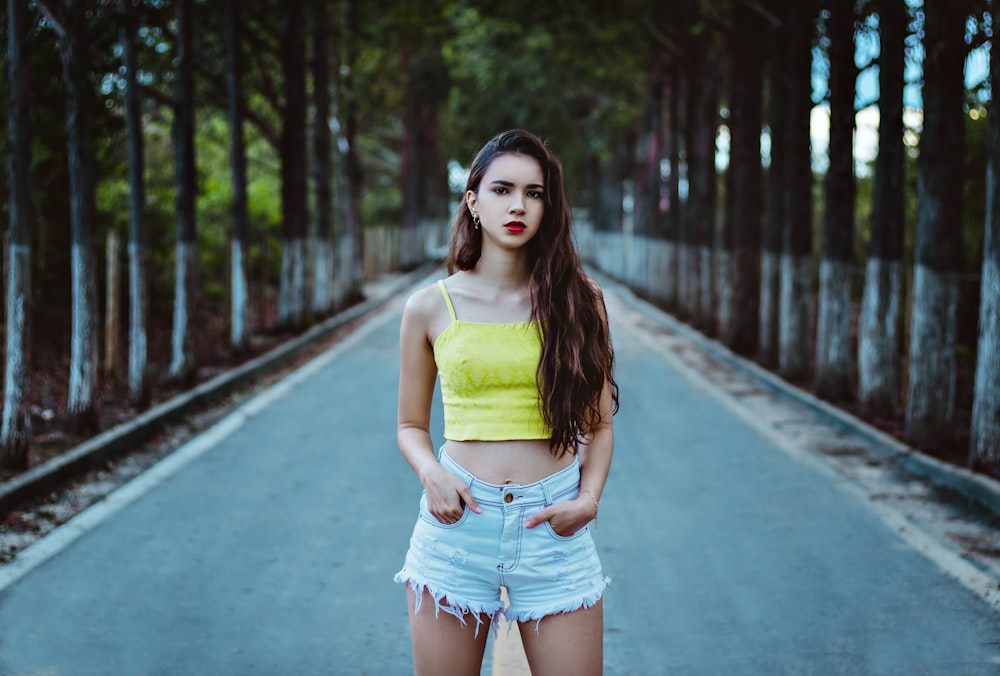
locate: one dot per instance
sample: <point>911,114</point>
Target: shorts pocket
<point>563,538</point>
<point>425,515</point>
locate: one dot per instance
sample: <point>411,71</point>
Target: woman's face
<point>510,200</point>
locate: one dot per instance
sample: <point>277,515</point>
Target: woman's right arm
<point>417,373</point>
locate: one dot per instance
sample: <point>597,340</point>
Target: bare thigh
<point>566,643</point>
<point>442,645</point>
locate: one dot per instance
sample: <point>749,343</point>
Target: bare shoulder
<point>425,310</point>
<point>423,302</point>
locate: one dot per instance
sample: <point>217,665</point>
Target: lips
<point>515,226</point>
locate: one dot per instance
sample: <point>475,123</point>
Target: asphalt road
<point>268,545</point>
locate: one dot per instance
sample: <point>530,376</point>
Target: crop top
<point>488,384</point>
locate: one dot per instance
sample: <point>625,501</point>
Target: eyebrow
<point>509,184</point>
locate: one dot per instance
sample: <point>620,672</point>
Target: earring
<point>475,219</point>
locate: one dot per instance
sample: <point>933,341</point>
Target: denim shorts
<point>463,565</point>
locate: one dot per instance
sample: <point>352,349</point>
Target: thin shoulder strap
<point>447,300</point>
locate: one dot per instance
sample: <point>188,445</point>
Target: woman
<point>520,340</point>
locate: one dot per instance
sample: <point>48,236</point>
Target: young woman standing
<point>519,337</point>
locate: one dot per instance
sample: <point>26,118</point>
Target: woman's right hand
<point>447,495</point>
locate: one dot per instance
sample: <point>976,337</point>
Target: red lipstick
<point>515,226</point>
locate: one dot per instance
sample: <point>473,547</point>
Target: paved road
<point>267,546</point>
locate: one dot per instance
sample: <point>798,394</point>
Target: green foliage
<point>573,77</point>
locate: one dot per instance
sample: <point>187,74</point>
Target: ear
<point>471,200</point>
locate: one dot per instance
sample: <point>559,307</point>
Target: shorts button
<point>509,497</point>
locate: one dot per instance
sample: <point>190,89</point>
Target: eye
<point>500,190</point>
<point>536,194</point>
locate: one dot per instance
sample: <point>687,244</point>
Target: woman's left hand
<point>566,518</point>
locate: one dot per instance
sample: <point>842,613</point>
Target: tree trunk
<point>15,433</point>
<point>774,223</point>
<point>112,306</point>
<point>930,401</point>
<point>647,156</point>
<point>878,330</point>
<point>80,153</point>
<point>353,252</point>
<point>833,376</point>
<point>743,231</point>
<point>322,296</point>
<point>609,191</point>
<point>702,180</point>
<point>796,264</point>
<point>182,364</point>
<point>239,296</point>
<point>138,386</point>
<point>294,192</point>
<point>672,220</point>
<point>985,442</point>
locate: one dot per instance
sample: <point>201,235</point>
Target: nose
<point>517,204</point>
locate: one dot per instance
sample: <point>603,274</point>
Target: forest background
<point>248,164</point>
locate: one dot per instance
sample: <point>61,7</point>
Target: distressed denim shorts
<point>463,565</point>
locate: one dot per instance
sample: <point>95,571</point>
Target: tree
<point>182,358</point>
<point>796,260</point>
<point>239,297</point>
<point>985,442</point>
<point>674,224</point>
<point>878,330</point>
<point>774,222</point>
<point>14,438</point>
<point>352,248</point>
<point>833,374</point>
<point>702,194</point>
<point>322,297</point>
<point>137,378</point>
<point>648,153</point>
<point>80,156</point>
<point>294,189</point>
<point>930,403</point>
<point>738,319</point>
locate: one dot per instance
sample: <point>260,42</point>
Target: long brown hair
<point>577,355</point>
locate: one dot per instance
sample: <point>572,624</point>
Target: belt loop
<point>546,493</point>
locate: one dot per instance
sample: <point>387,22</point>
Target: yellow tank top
<point>488,385</point>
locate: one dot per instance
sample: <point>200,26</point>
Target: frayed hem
<point>538,615</point>
<point>457,607</point>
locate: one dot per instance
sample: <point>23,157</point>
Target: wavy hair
<point>577,356</point>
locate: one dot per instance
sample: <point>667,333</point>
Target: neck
<point>507,269</point>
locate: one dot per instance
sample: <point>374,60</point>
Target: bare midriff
<point>520,461</point>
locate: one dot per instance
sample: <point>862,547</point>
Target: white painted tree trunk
<point>292,294</point>
<point>878,337</point>
<point>239,320</point>
<point>724,286</point>
<point>16,421</point>
<point>794,341</point>
<point>322,299</point>
<point>770,290</point>
<point>137,324</point>
<point>671,278</point>
<point>683,281</point>
<point>706,287</point>
<point>83,342</point>
<point>930,395</point>
<point>182,343</point>
<point>112,307</point>
<point>834,366</point>
<point>986,408</point>
<point>352,271</point>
